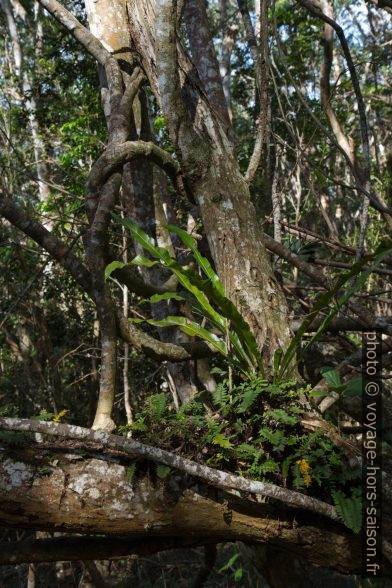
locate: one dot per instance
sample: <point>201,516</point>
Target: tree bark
<point>57,491</point>
<point>211,170</point>
<point>204,57</point>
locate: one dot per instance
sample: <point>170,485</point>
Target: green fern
<point>248,398</point>
<point>156,406</point>
<point>279,415</point>
<point>269,466</point>
<point>221,395</point>
<point>130,472</point>
<point>349,509</point>
<point>163,471</point>
<point>44,415</point>
<point>222,441</point>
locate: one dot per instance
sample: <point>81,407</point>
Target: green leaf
<point>156,406</point>
<point>141,260</point>
<point>140,236</point>
<point>248,450</point>
<point>113,266</point>
<point>276,438</point>
<point>277,360</point>
<point>130,471</point>
<point>166,296</point>
<point>190,328</point>
<point>319,393</point>
<point>222,441</point>
<point>163,471</point>
<point>353,388</point>
<point>269,466</point>
<point>241,335</point>
<point>205,292</point>
<point>231,561</point>
<point>281,416</point>
<point>286,465</point>
<point>248,399</point>
<point>188,279</point>
<point>201,260</point>
<point>331,376</point>
<point>159,122</point>
<point>43,416</point>
<point>221,395</point>
<point>349,509</point>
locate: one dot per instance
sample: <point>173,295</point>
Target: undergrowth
<point>252,429</point>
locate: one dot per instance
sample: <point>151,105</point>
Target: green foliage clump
<point>207,297</point>
<point>253,429</point>
<point>349,508</point>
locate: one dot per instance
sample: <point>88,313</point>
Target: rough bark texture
<point>67,492</point>
<point>204,57</point>
<point>208,161</point>
<point>136,449</point>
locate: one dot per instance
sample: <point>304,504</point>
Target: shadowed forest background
<point>195,222</point>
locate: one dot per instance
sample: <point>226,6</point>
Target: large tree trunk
<point>57,491</point>
<point>209,165</point>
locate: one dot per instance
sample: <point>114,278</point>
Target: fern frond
<point>349,509</point>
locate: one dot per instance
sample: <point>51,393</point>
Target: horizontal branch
<point>115,156</point>
<point>143,342</point>
<point>62,253</point>
<point>343,265</point>
<point>343,324</point>
<point>62,489</point>
<point>312,237</point>
<point>87,548</point>
<point>160,350</point>
<point>212,476</point>
<point>57,249</point>
<point>296,261</point>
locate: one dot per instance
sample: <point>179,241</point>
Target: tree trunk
<point>211,170</point>
<point>57,491</point>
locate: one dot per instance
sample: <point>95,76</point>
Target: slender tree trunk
<point>28,93</point>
